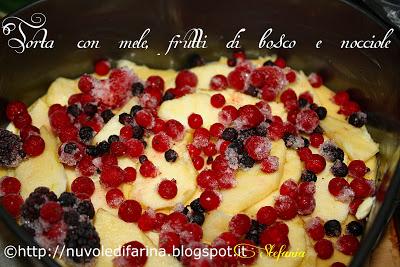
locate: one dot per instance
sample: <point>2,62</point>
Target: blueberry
<point>318,129</point>
<point>246,161</point>
<point>137,89</point>
<point>86,134</point>
<point>107,115</point>
<point>229,134</point>
<point>74,110</point>
<point>354,228</point>
<point>113,138</point>
<point>339,169</point>
<point>92,151</point>
<point>197,218</point>
<point>90,109</point>
<point>103,147</point>
<point>142,159</point>
<point>269,63</point>
<point>185,211</point>
<point>358,119</point>
<point>69,148</point>
<point>308,176</point>
<point>251,91</point>
<point>135,109</point>
<point>196,206</point>
<point>302,102</point>
<point>321,112</point>
<point>333,228</point>
<point>171,155</point>
<point>138,132</point>
<point>168,96</point>
<point>125,118</point>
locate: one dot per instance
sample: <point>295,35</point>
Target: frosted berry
<point>357,169</point>
<point>289,188</point>
<point>86,83</point>
<point>306,188</point>
<point>155,82</point>
<point>280,62</point>
<point>167,189</point>
<point>34,145</point>
<point>316,139</point>
<point>112,176</point>
<point>341,98</point>
<point>147,169</point>
<point>22,119</point>
<point>349,108</point>
<point>315,80</point>
<point>129,174</point>
<point>324,249</point>
<point>216,129</point>
<point>9,185</point>
<point>198,162</point>
<point>209,200</point>
<point>315,229</point>
<point>207,179</point>
<point>239,224</point>
<point>174,129</point>
<point>267,215</point>
<point>348,244</point>
<point>134,148</point>
<point>86,167</point>
<point>218,101</point>
<point>186,78</point>
<point>304,153</point>
<point>12,204</point>
<point>114,198</point>
<point>83,185</point>
<point>191,232</point>
<point>307,120</point>
<point>258,147</point>
<point>51,212</point>
<point>236,79</point>
<point>358,119</point>
<point>291,76</point>
<point>195,121</point>
<point>218,82</point>
<point>118,149</point>
<point>161,142</point>
<point>285,207</point>
<point>130,211</point>
<point>28,130</point>
<point>353,206</point>
<point>270,164</point>
<point>144,118</point>
<point>276,235</point>
<point>315,163</point>
<point>305,204</point>
<point>227,115</point>
<point>362,187</point>
<point>250,116</point>
<point>169,241</point>
<point>102,67</point>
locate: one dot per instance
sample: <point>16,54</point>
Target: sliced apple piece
<point>297,244</point>
<point>292,168</point>
<point>253,185</point>
<point>43,170</point>
<point>215,223</point>
<point>144,190</point>
<point>60,91</point>
<point>356,142</point>
<point>113,126</point>
<point>114,233</point>
<point>372,164</point>
<point>206,72</point>
<point>310,259</point>
<point>268,201</point>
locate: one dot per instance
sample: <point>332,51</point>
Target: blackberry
<point>85,207</point>
<point>30,211</point>
<point>195,60</point>
<point>28,229</point>
<point>113,138</point>
<point>308,176</point>
<point>138,132</point>
<point>142,159</point>
<point>168,96</point>
<point>196,206</point>
<point>185,211</point>
<point>269,63</point>
<point>86,134</point>
<point>261,130</point>
<point>197,217</point>
<point>11,152</point>
<point>70,147</point>
<point>125,118</point>
<point>71,217</point>
<point>74,110</point>
<point>333,228</point>
<point>302,102</point>
<point>358,119</point>
<point>237,146</point>
<point>84,238</point>
<point>67,199</point>
<point>246,161</point>
<point>92,151</point>
<point>294,141</point>
<point>137,89</point>
<point>339,169</point>
<point>170,155</point>
<point>45,192</point>
<point>107,115</point>
<point>244,134</point>
<point>135,110</point>
<point>321,112</point>
<point>251,91</point>
<point>31,206</point>
<point>90,109</point>
<point>331,152</point>
<point>354,228</point>
<point>229,134</point>
<point>254,232</point>
<point>103,147</point>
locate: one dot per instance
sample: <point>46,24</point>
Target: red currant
<point>218,101</point>
<point>34,145</point>
<point>130,211</point>
<point>218,82</point>
<point>209,200</point>
<point>195,121</point>
<point>12,204</point>
<point>51,212</point>
<point>324,249</point>
<point>186,78</point>
<point>102,67</point>
<point>114,198</point>
<point>84,185</point>
<point>167,189</point>
<point>267,215</point>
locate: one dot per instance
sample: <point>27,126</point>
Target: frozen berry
<point>321,112</point>
<point>289,188</point>
<point>114,198</point>
<point>354,228</point>
<point>83,185</point>
<point>304,153</point>
<point>34,145</point>
<point>195,121</point>
<point>218,101</point>
<point>14,108</point>
<point>112,176</point>
<point>308,176</point>
<point>171,155</point>
<point>209,200</point>
<point>358,119</point>
<point>357,169</point>
<point>129,257</point>
<point>316,139</point>
<point>324,249</point>
<point>130,211</point>
<point>12,204</point>
<point>51,212</point>
<point>362,187</point>
<point>236,79</point>
<point>332,228</point>
<point>218,82</point>
<point>227,115</point>
<point>337,186</point>
<point>276,236</point>
<point>198,162</point>
<point>280,62</point>
<point>9,185</point>
<point>186,78</point>
<point>307,120</point>
<point>353,206</point>
<point>305,204</point>
<point>169,241</point>
<point>339,169</point>
<point>229,134</point>
<point>341,98</point>
<point>174,129</point>
<point>267,215</point>
<point>315,80</point>
<point>239,224</point>
<point>167,189</point>
<point>144,118</point>
<point>258,147</point>
<point>161,142</point>
<point>315,228</point>
<point>348,244</point>
<point>306,188</point>
<point>134,148</point>
<point>147,169</point>
<point>285,207</point>
<point>315,163</point>
<point>250,116</point>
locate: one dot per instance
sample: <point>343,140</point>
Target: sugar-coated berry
<point>130,211</point>
<point>358,119</point>
<point>148,169</point>
<point>114,198</point>
<point>51,212</point>
<point>111,176</point>
<point>357,168</point>
<point>218,82</point>
<point>195,121</point>
<point>315,80</point>
<point>362,187</point>
<point>315,163</point>
<point>128,258</point>
<point>169,241</point>
<point>84,185</point>
<point>129,174</point>
<point>316,139</point>
<point>324,249</point>
<point>239,224</point>
<point>267,215</point>
<point>218,101</point>
<point>315,229</point>
<point>22,119</point>
<point>161,142</point>
<point>337,185</point>
<point>348,244</point>
<point>285,207</point>
<point>209,200</point>
<point>167,189</point>
<point>186,78</point>
<point>9,185</point>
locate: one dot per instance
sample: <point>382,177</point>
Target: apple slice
<point>114,233</point>
<point>292,168</point>
<point>144,190</point>
<point>143,72</point>
<point>215,223</point>
<point>297,244</point>
<point>60,91</point>
<point>356,142</point>
<point>113,126</point>
<point>372,164</point>
<point>310,259</point>
<point>43,170</point>
<point>206,72</point>
<point>268,201</point>
<point>253,185</point>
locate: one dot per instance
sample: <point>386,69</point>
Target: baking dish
<point>371,74</point>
